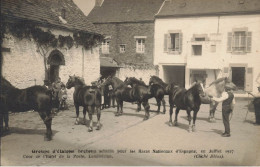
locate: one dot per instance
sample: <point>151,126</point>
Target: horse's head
<point>108,81</point>
<point>198,88</point>
<point>153,80</point>
<point>229,84</point>
<point>73,81</point>
<point>129,81</point>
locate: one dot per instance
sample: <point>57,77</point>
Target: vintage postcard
<point>130,83</point>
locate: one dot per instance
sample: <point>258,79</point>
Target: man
<point>228,101</point>
<point>256,103</point>
<point>257,94</point>
<point>56,86</point>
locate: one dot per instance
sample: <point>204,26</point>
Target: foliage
<point>87,40</point>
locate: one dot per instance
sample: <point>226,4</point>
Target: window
<point>200,39</point>
<point>140,45</point>
<point>197,50</point>
<point>122,48</point>
<point>105,46</point>
<point>239,41</point>
<point>173,42</point>
<point>213,48</point>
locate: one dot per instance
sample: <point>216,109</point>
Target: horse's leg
<point>138,106</point>
<point>121,107</point>
<point>164,103</point>
<point>84,115</point>
<point>6,120</point>
<point>1,123</point>
<point>171,112</point>
<point>176,116</point>
<point>98,117</point>
<point>77,114</point>
<point>158,104</point>
<point>90,111</point>
<point>146,108</point>
<point>194,120</point>
<point>47,119</point>
<point>189,119</point>
<point>118,106</point>
<point>213,107</point>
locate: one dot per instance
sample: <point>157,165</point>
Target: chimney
<point>99,3</point>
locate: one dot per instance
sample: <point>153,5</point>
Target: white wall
<point>212,26</point>
<point>24,64</point>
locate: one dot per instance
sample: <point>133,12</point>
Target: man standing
<point>256,103</point>
<point>228,101</point>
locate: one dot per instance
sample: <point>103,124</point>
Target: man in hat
<point>257,94</point>
<point>228,101</point>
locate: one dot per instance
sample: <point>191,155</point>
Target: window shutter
<point>168,42</point>
<point>165,49</point>
<point>249,79</point>
<point>180,42</point>
<point>229,42</point>
<point>248,41</point>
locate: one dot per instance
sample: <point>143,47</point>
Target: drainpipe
<point>83,62</point>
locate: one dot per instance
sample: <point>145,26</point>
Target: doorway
<point>238,77</point>
<point>55,59</point>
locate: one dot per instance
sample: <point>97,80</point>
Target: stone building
<point>208,39</point>
<point>46,39</point>
<point>128,26</point>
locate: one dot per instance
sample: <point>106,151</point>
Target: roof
<point>176,8</point>
<point>125,11</point>
<point>47,12</point>
<point>108,62</point>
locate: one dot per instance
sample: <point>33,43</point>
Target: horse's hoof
<point>98,127</point>
<point>90,130</point>
<point>176,123</point>
<point>164,112</point>
<point>117,114</point>
<point>194,128</point>
<point>170,124</point>
<point>77,123</point>
<point>146,118</point>
<point>7,129</point>
<point>47,138</point>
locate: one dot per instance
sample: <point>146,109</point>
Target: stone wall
<point>23,66</point>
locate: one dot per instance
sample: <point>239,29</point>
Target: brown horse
<point>37,98</point>
<point>188,100</point>
<point>88,97</point>
<point>122,92</point>
<point>215,89</point>
<point>156,90</point>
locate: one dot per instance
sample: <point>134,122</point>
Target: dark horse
<point>122,92</point>
<point>156,80</point>
<point>36,98</point>
<point>188,100</point>
<point>89,97</point>
<point>157,91</point>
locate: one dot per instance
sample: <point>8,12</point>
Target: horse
<point>188,100</point>
<point>37,98</point>
<point>89,97</point>
<point>156,80</point>
<point>215,89</point>
<point>157,91</point>
<point>123,93</point>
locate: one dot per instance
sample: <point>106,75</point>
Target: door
<point>54,73</point>
<point>238,77</point>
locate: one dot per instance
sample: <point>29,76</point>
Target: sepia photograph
<point>130,83</point>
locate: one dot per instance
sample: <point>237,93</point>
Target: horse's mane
<point>80,79</point>
<point>138,81</point>
<point>157,78</point>
<point>218,80</point>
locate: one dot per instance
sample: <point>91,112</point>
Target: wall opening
<point>238,77</point>
<point>174,74</point>
<point>54,61</point>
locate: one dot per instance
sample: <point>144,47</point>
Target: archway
<point>55,59</point>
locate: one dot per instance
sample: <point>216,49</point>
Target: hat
<point>229,87</point>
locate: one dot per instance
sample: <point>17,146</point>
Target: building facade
<point>193,43</point>
<point>25,62</point>
<point>128,26</point>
